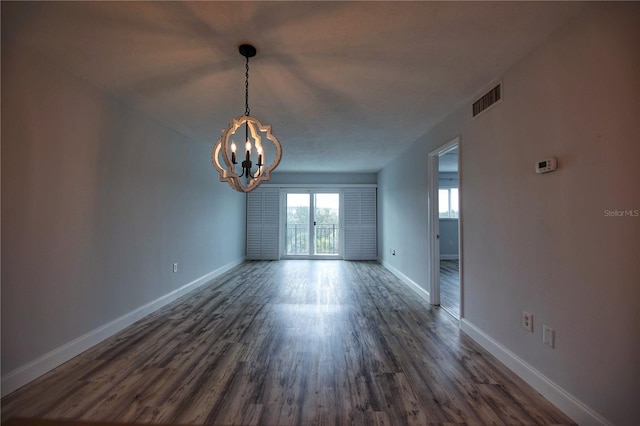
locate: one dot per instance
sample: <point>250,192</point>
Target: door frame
<point>434,221</point>
<point>283,222</point>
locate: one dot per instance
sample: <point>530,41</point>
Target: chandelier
<point>254,134</point>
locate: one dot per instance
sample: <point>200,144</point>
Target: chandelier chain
<point>247,111</point>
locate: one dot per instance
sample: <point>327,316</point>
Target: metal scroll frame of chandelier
<point>225,149</point>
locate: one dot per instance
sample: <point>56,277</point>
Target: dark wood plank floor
<point>450,286</point>
<point>283,343</point>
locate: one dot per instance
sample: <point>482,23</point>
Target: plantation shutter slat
<point>360,224</point>
<point>263,207</point>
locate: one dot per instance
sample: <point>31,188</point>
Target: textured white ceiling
<point>345,85</point>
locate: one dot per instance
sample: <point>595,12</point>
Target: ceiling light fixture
<point>225,148</point>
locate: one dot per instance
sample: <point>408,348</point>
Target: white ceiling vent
<point>488,99</point>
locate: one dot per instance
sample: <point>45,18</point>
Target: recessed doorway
<point>444,225</point>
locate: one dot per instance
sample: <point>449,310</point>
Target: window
<point>448,202</point>
<point>312,225</point>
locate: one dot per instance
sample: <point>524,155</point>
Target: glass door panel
<point>312,226</point>
<point>326,221</point>
<point>298,224</point>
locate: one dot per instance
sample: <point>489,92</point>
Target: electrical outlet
<point>527,321</point>
<point>175,267</point>
<point>548,336</point>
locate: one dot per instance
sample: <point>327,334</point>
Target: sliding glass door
<point>312,227</point>
<point>296,240</point>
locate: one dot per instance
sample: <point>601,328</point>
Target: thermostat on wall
<point>547,165</point>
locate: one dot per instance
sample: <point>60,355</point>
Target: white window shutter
<point>368,224</point>
<point>263,208</point>
<point>360,225</point>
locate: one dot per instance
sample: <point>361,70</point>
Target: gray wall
<point>448,180</point>
<point>280,178</point>
<point>98,201</point>
<point>449,239</point>
<point>544,243</point>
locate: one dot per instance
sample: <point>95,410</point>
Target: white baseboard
<point>571,406</point>
<point>36,368</point>
<point>408,281</point>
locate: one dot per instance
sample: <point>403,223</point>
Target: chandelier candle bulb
<point>233,152</point>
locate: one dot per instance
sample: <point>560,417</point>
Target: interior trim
<point>36,368</point>
<point>408,281</point>
<point>570,405</point>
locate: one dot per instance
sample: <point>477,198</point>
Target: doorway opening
<point>312,225</point>
<point>444,224</point>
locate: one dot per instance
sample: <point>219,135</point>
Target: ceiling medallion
<point>254,134</point>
